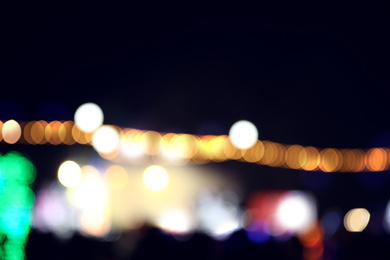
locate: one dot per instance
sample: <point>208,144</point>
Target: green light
<point>17,174</point>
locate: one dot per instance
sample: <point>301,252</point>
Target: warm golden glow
<point>116,177</point>
<point>231,151</point>
<point>273,154</point>
<point>155,178</point>
<point>331,160</point>
<point>136,146</point>
<point>356,220</point>
<point>376,159</point>
<point>255,153</point>
<point>292,156</point>
<point>11,131</point>
<point>27,132</point>
<point>152,141</point>
<point>309,158</point>
<point>67,128</point>
<point>38,132</point>
<point>51,132</point>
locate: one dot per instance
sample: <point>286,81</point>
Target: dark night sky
<point>309,74</point>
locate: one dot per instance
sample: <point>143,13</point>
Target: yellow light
<point>155,178</point>
<point>356,220</point>
<point>69,174</point>
<point>11,131</point>
<point>116,177</point>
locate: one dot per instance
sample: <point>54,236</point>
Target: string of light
<point>137,146</point>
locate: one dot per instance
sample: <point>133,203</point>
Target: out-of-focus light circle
<point>296,212</point>
<point>11,131</point>
<point>356,220</point>
<point>88,117</point>
<point>258,232</point>
<point>155,178</point>
<point>176,222</point>
<point>331,221</point>
<point>69,174</point>
<point>243,134</point>
<point>105,139</point>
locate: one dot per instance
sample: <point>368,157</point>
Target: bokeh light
<point>296,212</point>
<point>106,139</point>
<point>243,134</point>
<point>356,220</point>
<point>17,174</point>
<point>176,221</point>
<point>88,117</point>
<point>11,131</point>
<point>69,174</point>
<point>155,178</point>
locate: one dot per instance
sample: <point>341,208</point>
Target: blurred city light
<point>106,139</point>
<point>17,174</point>
<point>282,213</point>
<point>69,174</point>
<point>177,221</point>
<point>155,178</point>
<point>296,212</point>
<point>88,117</point>
<point>11,131</point>
<point>356,220</point>
<point>243,134</point>
<point>219,214</point>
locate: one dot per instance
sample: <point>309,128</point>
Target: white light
<point>296,212</point>
<point>155,178</point>
<point>176,221</point>
<point>105,139</point>
<point>243,134</point>
<point>88,117</point>
<point>69,174</point>
<point>218,217</point>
